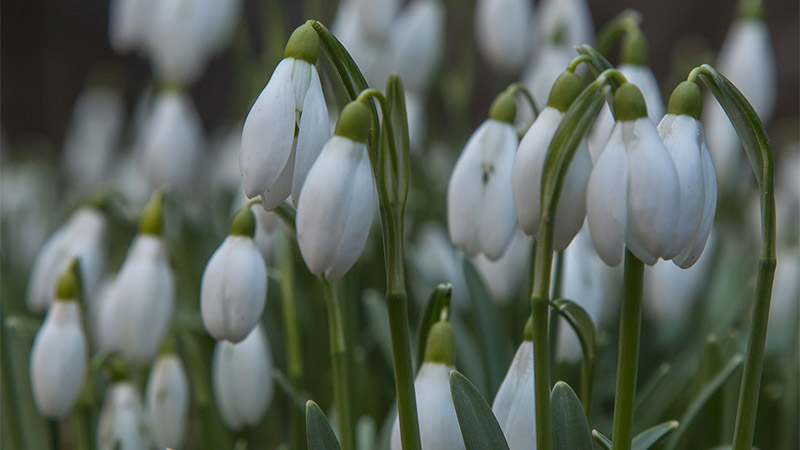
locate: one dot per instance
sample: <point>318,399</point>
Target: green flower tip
<point>565,90</point>
<point>118,368</point>
<point>69,284</point>
<point>243,222</point>
<point>686,99</point>
<point>504,107</point>
<point>303,44</point>
<point>629,103</point>
<point>441,345</point>
<point>750,9</point>
<point>354,122</point>
<point>167,347</point>
<point>528,333</point>
<point>635,49</point>
<point>152,217</point>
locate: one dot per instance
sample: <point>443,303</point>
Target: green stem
<point>519,88</point>
<point>293,342</point>
<point>288,214</point>
<point>628,358</point>
<point>341,387</point>
<point>573,65</point>
<point>542,266</point>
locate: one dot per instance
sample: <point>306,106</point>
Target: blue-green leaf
<point>479,427</point>
<point>570,428</point>
<point>320,433</point>
<point>601,439</point>
<point>652,436</point>
<point>437,301</point>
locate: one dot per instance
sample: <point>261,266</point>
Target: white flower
<point>93,136</point>
<point>748,61</point>
<point>58,359</point>
<point>504,277</point>
<point>171,143</point>
<point>375,16</point>
<point>480,204</point>
<point>503,32</point>
<point>101,314</point>
<point>438,423</point>
<point>286,127</point>
<point>526,177</point>
<point>142,299</point>
<point>121,424</point>
<point>83,237</point>
<point>234,285</point>
<point>336,208</point>
<point>416,43</point>
<point>129,24</point>
<point>569,17</point>
<point>167,397</point>
<point>513,405</point>
<point>633,193</point>
<point>242,379</point>
<point>683,137</point>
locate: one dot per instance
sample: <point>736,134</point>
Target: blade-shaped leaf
<point>437,301</point>
<point>580,321</point>
<point>643,395</point>
<point>496,349</point>
<point>601,439</point>
<point>652,436</point>
<point>479,427</point>
<point>570,428</point>
<point>320,433</point>
<point>702,398</point>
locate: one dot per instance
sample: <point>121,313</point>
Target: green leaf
<point>580,321</point>
<point>644,394</point>
<point>570,428</point>
<point>437,301</point>
<point>479,427</point>
<point>652,436</point>
<point>702,398</point>
<point>496,349</point>
<point>601,439</point>
<point>320,433</point>
<point>707,429</point>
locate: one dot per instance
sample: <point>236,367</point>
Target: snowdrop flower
<point>129,23</point>
<point>504,278</point>
<point>84,236</point>
<point>633,193</point>
<point>170,142</point>
<point>102,324</point>
<point>635,56</point>
<point>234,284</point>
<point>682,134</point>
<point>513,405</point>
<point>338,201</point>
<point>58,354</point>
<point>93,136</point>
<point>268,224</point>
<point>572,16</point>
<point>287,126</point>
<point>503,32</point>
<point>375,16</point>
<point>747,59</point>
<point>122,424</point>
<point>143,294</point>
<point>526,176</point>
<point>416,43</point>
<point>241,379</point>
<point>167,401</point>
<point>480,204</point>
<point>438,423</point>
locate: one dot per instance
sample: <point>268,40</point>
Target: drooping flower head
<point>513,405</point>
<point>503,32</point>
<point>167,401</point>
<point>287,125</point>
<point>480,203</point>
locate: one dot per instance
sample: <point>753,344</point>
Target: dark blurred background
<point>51,48</point>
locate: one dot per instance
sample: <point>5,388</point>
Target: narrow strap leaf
<point>437,301</point>
<point>654,435</point>
<point>601,439</point>
<point>570,428</point>
<point>479,427</point>
<point>320,433</point>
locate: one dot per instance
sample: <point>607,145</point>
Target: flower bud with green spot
<point>69,285</point>
<point>686,99</point>
<point>167,401</point>
<point>629,103</point>
<point>441,345</point>
<point>565,90</point>
<point>504,107</point>
<point>303,44</point>
<point>243,222</point>
<point>354,122</point>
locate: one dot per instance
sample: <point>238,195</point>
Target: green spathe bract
<point>565,90</point>
<point>152,217</point>
<point>504,107</point>
<point>354,122</point>
<point>635,49</point>
<point>750,9</point>
<point>629,103</point>
<point>686,99</point>
<point>441,346</point>
<point>243,222</point>
<point>69,284</point>
<point>528,333</point>
<point>303,44</point>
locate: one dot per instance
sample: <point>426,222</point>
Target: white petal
<point>600,132</point>
<point>504,277</point>
<point>497,217</point>
<point>606,200</point>
<point>268,132</point>
<point>572,17</point>
<point>653,191</point>
<point>233,289</point>
<point>502,31</point>
<point>692,253</point>
<point>465,193</point>
<point>122,423</point>
<point>314,132</point>
<point>571,208</point>
<point>167,398</point>
<point>416,43</point>
<point>274,195</point>
<point>513,405</point>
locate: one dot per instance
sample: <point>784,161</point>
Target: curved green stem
<point>616,28</point>
<point>573,65</point>
<point>287,214</point>
<point>341,379</point>
<point>630,321</point>
<point>519,88</point>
